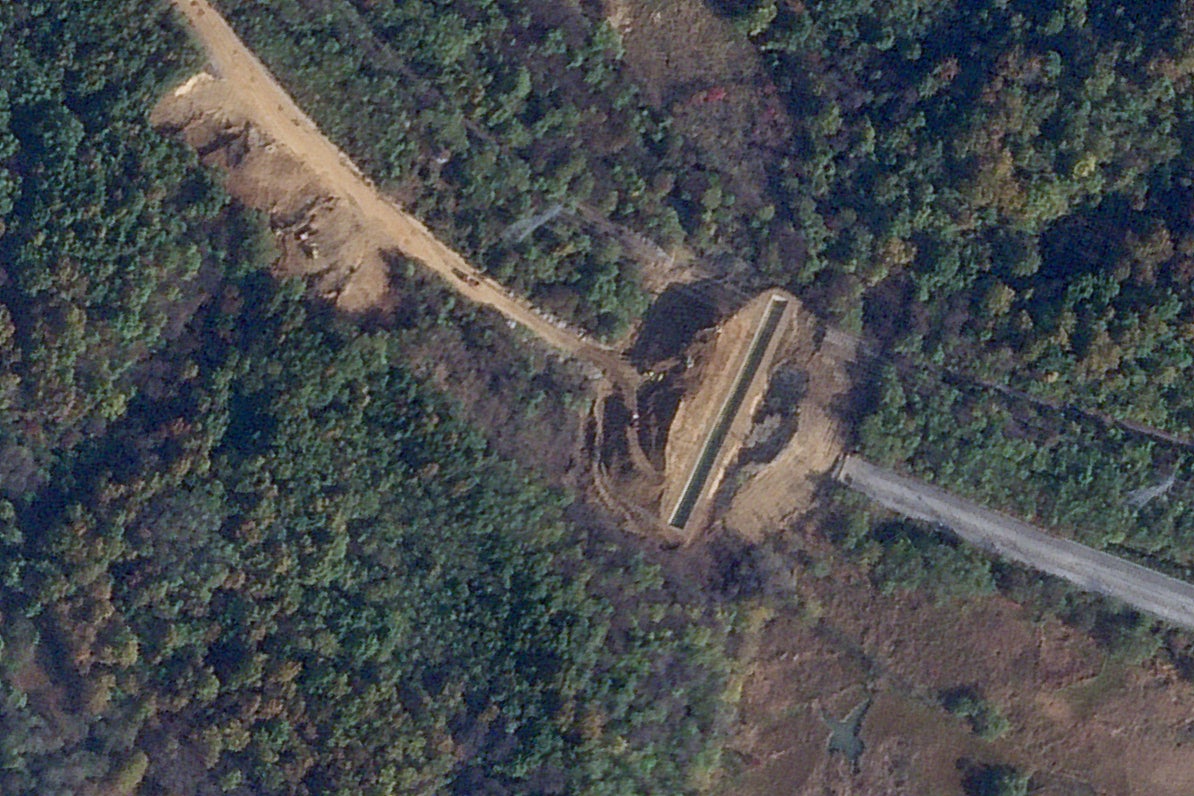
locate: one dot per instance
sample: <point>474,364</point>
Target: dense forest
<point>515,131</point>
<point>1003,187</point>
<point>244,548</point>
<point>1064,471</point>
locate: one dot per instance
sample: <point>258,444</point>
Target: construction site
<point>717,409</point>
<point>732,427</point>
<point>720,415</point>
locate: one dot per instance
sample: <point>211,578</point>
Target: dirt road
<point>269,107</point>
<point>1089,569</point>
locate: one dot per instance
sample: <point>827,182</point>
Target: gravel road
<point>1140,587</point>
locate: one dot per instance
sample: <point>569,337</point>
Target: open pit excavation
<point>730,391</point>
<point>1091,570</point>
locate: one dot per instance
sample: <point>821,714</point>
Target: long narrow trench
<point>701,470</point>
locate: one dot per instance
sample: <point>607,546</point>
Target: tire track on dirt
<point>267,105</point>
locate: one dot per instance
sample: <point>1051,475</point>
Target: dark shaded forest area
<point>1003,187</point>
<point>242,549</point>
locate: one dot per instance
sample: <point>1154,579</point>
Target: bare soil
<point>241,90</point>
<point>787,485</point>
<point>489,369</point>
<point>699,408</point>
<point>319,236</point>
<point>684,390</point>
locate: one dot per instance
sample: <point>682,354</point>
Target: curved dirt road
<point>263,101</point>
<point>1089,569</point>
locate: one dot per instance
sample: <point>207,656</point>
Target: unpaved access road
<point>1089,569</point>
<point>263,101</point>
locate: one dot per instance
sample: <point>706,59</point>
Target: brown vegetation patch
<point>694,63</point>
<point>1080,721</point>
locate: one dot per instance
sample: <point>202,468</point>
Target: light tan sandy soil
<point>248,93</point>
<point>787,485</point>
<point>699,409</point>
<point>319,236</point>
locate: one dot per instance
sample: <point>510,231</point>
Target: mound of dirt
<point>320,236</point>
<point>787,484</point>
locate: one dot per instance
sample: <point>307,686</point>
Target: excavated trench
<point>716,438</point>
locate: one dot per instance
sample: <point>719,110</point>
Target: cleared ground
<point>697,479</point>
<point>777,490</point>
<point>281,163</point>
<point>703,437</point>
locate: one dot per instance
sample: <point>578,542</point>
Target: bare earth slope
<point>698,413</point>
<point>271,110</point>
